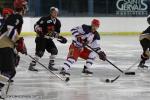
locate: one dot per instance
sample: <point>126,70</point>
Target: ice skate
<point>86,72</point>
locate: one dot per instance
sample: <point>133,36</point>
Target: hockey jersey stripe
<point>67,65</point>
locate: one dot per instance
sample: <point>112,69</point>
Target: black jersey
<point>147,31</point>
<point>12,26</point>
<point>48,24</point>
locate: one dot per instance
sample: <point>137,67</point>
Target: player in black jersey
<point>47,28</point>
<point>9,40</point>
<point>145,43</point>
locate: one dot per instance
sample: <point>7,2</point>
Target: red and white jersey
<point>86,35</point>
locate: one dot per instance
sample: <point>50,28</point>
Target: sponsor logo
<point>131,7</point>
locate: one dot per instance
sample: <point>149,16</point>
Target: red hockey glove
<point>62,39</point>
<point>20,46</point>
<point>102,55</point>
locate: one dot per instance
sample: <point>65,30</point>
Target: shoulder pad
<point>86,28</point>
<point>96,36</point>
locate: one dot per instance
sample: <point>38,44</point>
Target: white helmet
<point>53,8</point>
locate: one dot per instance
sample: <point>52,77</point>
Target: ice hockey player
<point>47,28</point>
<point>10,39</point>
<point>82,36</point>
<point>145,43</point>
<point>5,13</point>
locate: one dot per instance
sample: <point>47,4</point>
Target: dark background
<point>71,8</point>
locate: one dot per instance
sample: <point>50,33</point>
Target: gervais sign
<point>131,7</point>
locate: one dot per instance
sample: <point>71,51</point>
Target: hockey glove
<point>20,46</point>
<point>54,34</point>
<point>62,39</point>
<point>102,55</point>
<point>39,30</point>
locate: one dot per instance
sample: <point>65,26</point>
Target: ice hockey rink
<point>123,51</point>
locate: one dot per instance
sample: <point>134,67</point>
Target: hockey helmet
<point>21,5</point>
<point>53,9</point>
<point>95,22</point>
<point>7,11</point>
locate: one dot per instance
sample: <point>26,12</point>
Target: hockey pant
<point>75,53</point>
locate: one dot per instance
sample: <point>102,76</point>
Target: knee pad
<point>54,51</point>
<point>9,74</point>
<point>144,56</point>
<point>39,54</point>
<point>92,55</point>
<point>147,52</point>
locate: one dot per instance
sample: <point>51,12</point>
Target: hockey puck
<point>67,79</point>
<point>107,81</point>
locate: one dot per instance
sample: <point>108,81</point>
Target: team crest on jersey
<point>41,22</point>
<point>49,21</point>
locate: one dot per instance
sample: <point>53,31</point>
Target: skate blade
<point>65,76</point>
<point>1,98</point>
<point>143,69</point>
<point>87,75</point>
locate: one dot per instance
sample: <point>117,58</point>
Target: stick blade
<point>129,73</point>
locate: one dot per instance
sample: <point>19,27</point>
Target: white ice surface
<point>42,85</point>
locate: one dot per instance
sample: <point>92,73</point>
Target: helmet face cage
<point>21,6</point>
<point>25,8</point>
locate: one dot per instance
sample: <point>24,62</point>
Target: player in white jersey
<point>84,35</point>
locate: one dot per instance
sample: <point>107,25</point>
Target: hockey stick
<point>7,89</point>
<point>117,77</point>
<point>66,80</point>
<point>126,73</point>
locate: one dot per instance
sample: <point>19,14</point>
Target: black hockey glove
<point>62,39</point>
<point>102,55</point>
<point>53,34</point>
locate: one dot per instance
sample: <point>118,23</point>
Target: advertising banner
<point>132,7</point>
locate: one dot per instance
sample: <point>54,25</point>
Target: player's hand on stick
<point>62,39</point>
<point>102,55</point>
<point>39,30</point>
<point>20,46</point>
